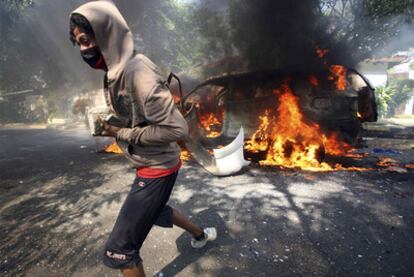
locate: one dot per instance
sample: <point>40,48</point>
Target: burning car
<point>290,119</point>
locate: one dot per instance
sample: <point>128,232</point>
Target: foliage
<point>10,9</point>
<point>182,34</point>
<point>368,26</point>
<point>390,97</point>
<point>383,97</point>
<point>165,32</point>
<point>211,21</point>
<point>16,109</point>
<point>179,35</point>
<point>24,61</point>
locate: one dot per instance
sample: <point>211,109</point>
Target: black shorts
<point>144,206</point>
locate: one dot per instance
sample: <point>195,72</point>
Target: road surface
<point>59,200</point>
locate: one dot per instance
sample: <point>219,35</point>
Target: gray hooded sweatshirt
<point>136,92</point>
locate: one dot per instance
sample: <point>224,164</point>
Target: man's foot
<point>209,234</point>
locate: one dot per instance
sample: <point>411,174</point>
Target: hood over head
<point>112,34</point>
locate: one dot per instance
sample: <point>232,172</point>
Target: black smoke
<point>278,33</point>
<point>285,34</point>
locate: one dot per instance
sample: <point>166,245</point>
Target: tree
<point>368,26</point>
<point>164,31</point>
<point>286,33</point>
<point>10,11</point>
<point>395,94</point>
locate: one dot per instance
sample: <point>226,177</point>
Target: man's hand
<point>109,130</point>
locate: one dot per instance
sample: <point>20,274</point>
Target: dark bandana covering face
<point>93,57</point>
<point>112,36</point>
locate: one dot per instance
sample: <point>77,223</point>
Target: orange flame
<point>113,148</point>
<point>290,141</point>
<point>356,156</point>
<point>313,80</point>
<point>185,154</point>
<point>335,146</point>
<point>321,52</point>
<point>338,72</point>
<point>338,76</point>
<point>353,168</point>
<point>209,122</point>
<point>176,99</point>
<point>260,139</point>
<point>409,166</point>
<point>387,162</point>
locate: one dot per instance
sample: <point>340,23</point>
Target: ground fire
<point>387,162</point>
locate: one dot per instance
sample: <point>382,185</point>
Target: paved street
<point>59,200</point>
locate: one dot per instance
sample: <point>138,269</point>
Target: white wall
<point>375,73</point>
<point>409,106</point>
<point>411,75</point>
<point>408,110</point>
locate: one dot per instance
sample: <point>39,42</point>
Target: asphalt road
<point>59,200</point>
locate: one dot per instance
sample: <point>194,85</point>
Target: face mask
<point>94,58</point>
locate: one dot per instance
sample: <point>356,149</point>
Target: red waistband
<point>149,172</point>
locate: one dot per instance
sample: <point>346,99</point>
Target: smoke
<point>47,27</point>
<point>37,56</point>
<point>278,34</point>
<point>38,53</point>
<point>264,33</point>
<point>404,40</point>
<point>285,34</point>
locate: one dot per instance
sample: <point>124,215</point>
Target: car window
<point>356,81</point>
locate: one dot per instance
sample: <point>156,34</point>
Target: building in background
<point>381,70</point>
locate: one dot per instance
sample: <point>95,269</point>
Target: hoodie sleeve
<point>166,123</point>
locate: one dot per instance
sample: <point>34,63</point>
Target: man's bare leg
<point>135,271</point>
<point>183,222</point>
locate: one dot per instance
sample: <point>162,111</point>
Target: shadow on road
<point>53,187</point>
<point>188,255</point>
<point>58,202</point>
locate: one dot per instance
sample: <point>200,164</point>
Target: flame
<point>353,168</point>
<point>208,122</point>
<point>355,156</point>
<point>338,75</point>
<point>338,72</point>
<point>260,139</point>
<point>321,52</point>
<point>313,80</point>
<point>387,162</point>
<point>359,115</point>
<point>335,146</point>
<point>176,99</point>
<point>290,141</point>
<point>185,154</point>
<point>113,148</point>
